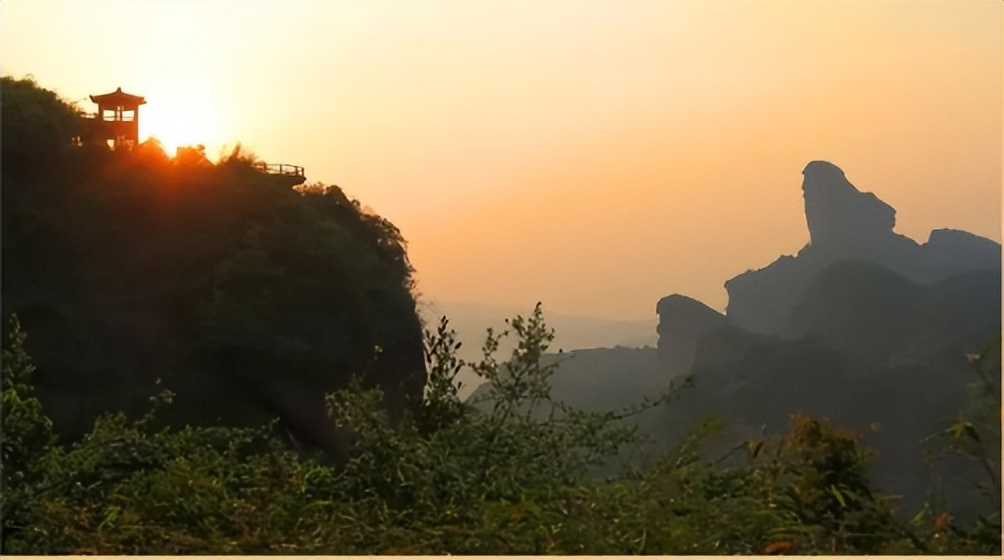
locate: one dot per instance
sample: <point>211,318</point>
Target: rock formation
<point>863,326</point>
<point>682,322</point>
<point>876,352</point>
<point>845,223</point>
<point>840,215</point>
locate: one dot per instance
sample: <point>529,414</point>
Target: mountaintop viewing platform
<point>294,172</point>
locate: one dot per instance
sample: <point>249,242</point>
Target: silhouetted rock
<point>761,300</point>
<point>846,224</point>
<point>875,352</point>
<point>682,322</point>
<point>950,251</point>
<point>863,326</point>
<point>838,213</point>
<point>865,309</point>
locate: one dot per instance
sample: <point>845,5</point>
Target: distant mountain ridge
<point>572,332</point>
<point>845,223</point>
<point>863,326</point>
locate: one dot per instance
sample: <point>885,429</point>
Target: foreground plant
<point>515,473</point>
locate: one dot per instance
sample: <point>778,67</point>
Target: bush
<point>451,478</point>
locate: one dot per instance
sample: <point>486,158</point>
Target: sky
<point>592,156</point>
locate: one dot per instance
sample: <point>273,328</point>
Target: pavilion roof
<point>118,98</point>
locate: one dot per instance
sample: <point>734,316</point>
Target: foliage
<point>973,443</point>
<point>449,479</point>
<point>27,435</point>
<point>441,405</point>
<point>815,476</point>
<point>239,155</point>
<point>42,123</point>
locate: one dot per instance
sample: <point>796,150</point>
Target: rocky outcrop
<point>863,326</point>
<point>950,251</point>
<point>875,352</point>
<point>847,224</point>
<point>840,215</point>
<point>682,322</point>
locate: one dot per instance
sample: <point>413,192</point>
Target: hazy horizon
<point>592,156</point>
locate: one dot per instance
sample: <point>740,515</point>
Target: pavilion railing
<point>280,169</point>
<point>99,117</point>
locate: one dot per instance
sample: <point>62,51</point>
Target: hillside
<point>248,298</point>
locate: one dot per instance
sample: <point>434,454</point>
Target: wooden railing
<point>280,169</point>
<point>99,117</point>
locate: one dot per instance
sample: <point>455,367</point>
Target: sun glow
<point>179,120</point>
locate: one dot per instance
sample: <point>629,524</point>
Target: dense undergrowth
<point>452,478</point>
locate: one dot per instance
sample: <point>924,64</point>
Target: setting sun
<point>184,119</point>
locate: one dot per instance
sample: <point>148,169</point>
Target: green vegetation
<point>449,479</point>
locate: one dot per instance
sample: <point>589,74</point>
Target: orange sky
<point>594,156</point>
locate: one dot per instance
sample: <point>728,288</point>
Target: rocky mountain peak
<point>682,322</point>
<point>837,212</point>
<point>847,224</point>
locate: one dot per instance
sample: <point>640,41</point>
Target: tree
<point>27,438</point>
<point>37,125</point>
<point>971,444</point>
<point>816,476</point>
